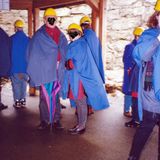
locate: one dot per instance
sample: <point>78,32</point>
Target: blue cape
<point>146,40</point>
<point>42,55</point>
<point>128,63</point>
<point>96,50</point>
<point>85,70</point>
<point>5,57</point>
<point>19,43</point>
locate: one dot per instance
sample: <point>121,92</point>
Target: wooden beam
<point>20,4</point>
<point>94,4</point>
<point>36,18</point>
<point>95,22</point>
<point>30,22</point>
<point>55,3</point>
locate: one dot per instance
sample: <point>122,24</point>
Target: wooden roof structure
<point>34,6</point>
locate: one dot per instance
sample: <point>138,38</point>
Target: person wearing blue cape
<point>82,79</point>
<point>96,49</point>
<point>46,57</point>
<point>130,81</point>
<point>5,61</point>
<point>147,57</point>
<point>19,43</point>
<point>128,65</point>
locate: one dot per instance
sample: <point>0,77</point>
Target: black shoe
<point>58,125</point>
<point>73,129</point>
<point>43,126</point>
<point>2,106</point>
<point>132,124</point>
<point>17,104</point>
<point>78,131</point>
<point>63,107</point>
<point>23,102</point>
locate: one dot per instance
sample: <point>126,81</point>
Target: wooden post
<point>36,19</point>
<point>30,24</point>
<point>103,28</point>
<point>95,22</point>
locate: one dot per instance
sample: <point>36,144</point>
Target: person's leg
<point>82,112</point>
<point>23,89</point>
<point>16,87</point>
<point>127,105</point>
<point>44,113</point>
<point>135,122</point>
<point>142,134</point>
<point>57,114</point>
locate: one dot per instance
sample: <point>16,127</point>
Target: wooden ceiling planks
<point>56,3</point>
<point>20,4</point>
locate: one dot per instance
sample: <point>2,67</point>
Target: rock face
<point>122,17</point>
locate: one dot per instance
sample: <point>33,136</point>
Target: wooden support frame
<point>55,3</point>
<point>30,22</point>
<point>36,19</point>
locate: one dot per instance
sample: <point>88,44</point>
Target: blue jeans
<point>127,102</point>
<point>19,85</point>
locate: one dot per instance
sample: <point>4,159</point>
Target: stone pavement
<point>106,138</point>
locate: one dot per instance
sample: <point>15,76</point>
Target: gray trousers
<point>81,105</point>
<point>44,113</point>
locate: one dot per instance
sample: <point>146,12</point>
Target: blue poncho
<point>96,50</point>
<point>128,64</point>
<point>140,53</point>
<point>85,70</point>
<point>42,58</point>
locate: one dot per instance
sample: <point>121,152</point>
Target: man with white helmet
<point>46,57</point>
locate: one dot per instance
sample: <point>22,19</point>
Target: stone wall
<point>122,17</point>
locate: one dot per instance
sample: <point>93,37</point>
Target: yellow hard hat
<point>19,23</point>
<point>138,31</point>
<point>157,6</point>
<point>75,26</point>
<point>49,12</point>
<point>85,19</point>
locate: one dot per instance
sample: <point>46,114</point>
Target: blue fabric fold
<point>42,55</point>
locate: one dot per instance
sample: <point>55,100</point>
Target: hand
<point>69,64</point>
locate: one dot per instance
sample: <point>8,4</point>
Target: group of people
<point>60,69</point>
<point>75,71</point>
<point>142,82</point>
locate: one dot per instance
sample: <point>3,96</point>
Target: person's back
<point>19,45</point>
